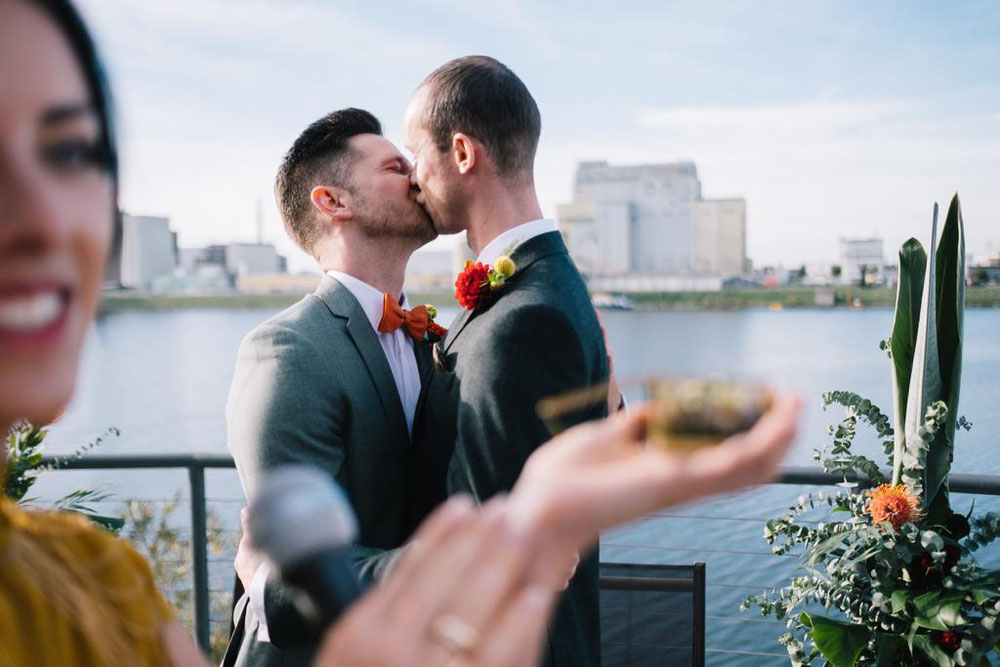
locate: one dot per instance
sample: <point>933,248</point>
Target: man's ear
<point>332,203</point>
<point>463,150</point>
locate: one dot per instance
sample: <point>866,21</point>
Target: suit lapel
<point>342,304</point>
<point>456,327</point>
<point>526,254</point>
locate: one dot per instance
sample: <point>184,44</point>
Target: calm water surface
<point>162,378</point>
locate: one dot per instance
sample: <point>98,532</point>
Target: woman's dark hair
<point>70,23</point>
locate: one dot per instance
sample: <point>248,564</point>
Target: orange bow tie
<point>416,320</point>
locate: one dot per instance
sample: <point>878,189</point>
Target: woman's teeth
<point>29,312</point>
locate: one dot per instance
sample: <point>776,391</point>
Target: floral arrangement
<point>894,582</point>
<point>477,285</point>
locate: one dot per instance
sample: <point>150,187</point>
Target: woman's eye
<point>73,154</point>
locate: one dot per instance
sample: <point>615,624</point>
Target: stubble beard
<point>396,222</point>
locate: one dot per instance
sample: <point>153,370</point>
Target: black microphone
<point>301,521</point>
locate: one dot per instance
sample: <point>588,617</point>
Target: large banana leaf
<point>925,378</point>
<point>950,316</point>
<point>912,265</point>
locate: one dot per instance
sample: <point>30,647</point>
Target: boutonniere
<point>478,285</point>
<point>435,332</point>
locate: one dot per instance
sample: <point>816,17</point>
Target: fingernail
<point>458,505</point>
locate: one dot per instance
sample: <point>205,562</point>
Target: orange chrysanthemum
<point>894,504</point>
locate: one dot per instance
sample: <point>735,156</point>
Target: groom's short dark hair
<point>482,97</point>
<point>320,155</point>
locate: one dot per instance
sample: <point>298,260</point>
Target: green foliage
<point>153,531</point>
<point>840,643</point>
<point>24,459</point>
<point>912,264</point>
<point>936,368</point>
<point>25,444</point>
<point>910,594</point>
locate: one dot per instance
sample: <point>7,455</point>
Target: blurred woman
<point>70,593</point>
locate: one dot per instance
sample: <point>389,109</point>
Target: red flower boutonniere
<point>477,285</point>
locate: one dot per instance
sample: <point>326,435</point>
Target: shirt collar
<point>513,237</point>
<point>369,298</point>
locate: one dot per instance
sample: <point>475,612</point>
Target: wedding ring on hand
<point>455,634</point>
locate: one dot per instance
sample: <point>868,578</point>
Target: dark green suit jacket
<point>312,385</point>
<point>541,337</point>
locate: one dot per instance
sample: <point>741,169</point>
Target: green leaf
<point>982,594</point>
<point>937,655</point>
<point>109,523</point>
<point>912,266</point>
<point>925,377</point>
<point>938,610</point>
<point>890,650</point>
<point>840,643</point>
<point>899,599</point>
<point>950,294</point>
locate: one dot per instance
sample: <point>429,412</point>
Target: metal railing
<point>196,465</point>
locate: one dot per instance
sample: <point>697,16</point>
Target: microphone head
<point>299,511</point>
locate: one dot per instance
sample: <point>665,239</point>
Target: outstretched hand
<point>600,474</point>
<point>476,587</point>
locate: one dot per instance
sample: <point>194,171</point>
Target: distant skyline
<point>831,118</point>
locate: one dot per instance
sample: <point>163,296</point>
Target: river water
<point>162,378</point>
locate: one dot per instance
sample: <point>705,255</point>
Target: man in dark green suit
<point>324,382</point>
<point>473,128</point>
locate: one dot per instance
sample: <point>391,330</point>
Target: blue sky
<point>830,118</point>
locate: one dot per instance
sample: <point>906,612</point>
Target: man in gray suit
<point>331,381</point>
<point>473,129</point>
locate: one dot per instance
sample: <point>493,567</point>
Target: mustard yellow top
<point>71,594</point>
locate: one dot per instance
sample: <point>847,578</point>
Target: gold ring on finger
<point>454,633</point>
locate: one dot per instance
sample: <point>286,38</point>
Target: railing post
<point>698,600</point>
<point>199,556</point>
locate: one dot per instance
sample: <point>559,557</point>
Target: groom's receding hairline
<point>482,97</point>
<point>322,154</point>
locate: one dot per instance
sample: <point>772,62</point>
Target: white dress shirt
<point>398,348</point>
<point>514,237</point>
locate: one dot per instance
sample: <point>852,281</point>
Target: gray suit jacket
<point>312,385</point>
<point>540,338</point>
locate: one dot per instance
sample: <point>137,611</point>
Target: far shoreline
<point>781,298</point>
